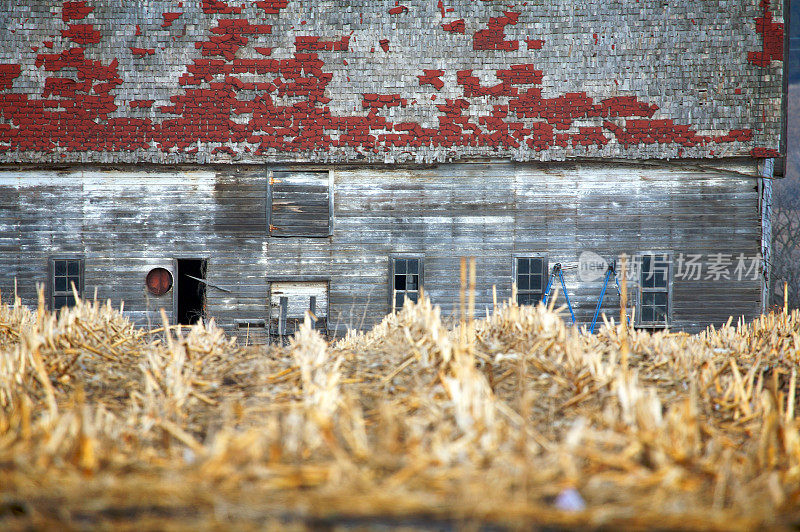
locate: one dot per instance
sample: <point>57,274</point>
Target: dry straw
<point>499,420</point>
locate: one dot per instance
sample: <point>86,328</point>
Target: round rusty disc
<point>158,281</point>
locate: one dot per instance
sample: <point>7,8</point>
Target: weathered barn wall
<point>129,220</point>
<point>282,80</point>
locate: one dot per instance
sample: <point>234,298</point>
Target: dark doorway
<point>191,290</point>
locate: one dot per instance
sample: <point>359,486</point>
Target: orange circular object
<point>158,281</point>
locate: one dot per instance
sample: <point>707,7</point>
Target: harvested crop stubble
<point>498,421</point>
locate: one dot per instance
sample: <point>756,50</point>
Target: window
<point>64,272</point>
<point>653,303</point>
<point>531,277</point>
<point>300,204</point>
<point>290,300</point>
<point>406,278</point>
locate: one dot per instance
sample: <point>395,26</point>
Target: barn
<point>250,160</point>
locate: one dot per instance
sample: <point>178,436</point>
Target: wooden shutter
<point>300,204</point>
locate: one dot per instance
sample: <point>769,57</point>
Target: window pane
<point>60,267</point>
<point>536,282</point>
<point>660,298</point>
<point>654,271</point>
<point>522,266</point>
<point>537,265</point>
<point>411,282</point>
<point>399,282</point>
<point>648,279</point>
<point>70,301</point>
<point>73,280</point>
<point>522,299</point>
<point>660,269</point>
<point>399,266</point>
<point>398,301</point>
<point>73,267</point>
<point>412,265</point>
<point>61,284</point>
<point>660,313</point>
<point>412,296</point>
<point>523,282</point>
<point>647,314</point>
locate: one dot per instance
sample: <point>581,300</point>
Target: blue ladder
<point>558,271</point>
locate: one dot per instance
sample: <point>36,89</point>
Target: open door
<point>191,295</point>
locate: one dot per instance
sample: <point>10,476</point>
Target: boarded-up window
<point>289,301</point>
<point>300,204</point>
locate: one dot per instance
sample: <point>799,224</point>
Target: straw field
<point>513,420</point>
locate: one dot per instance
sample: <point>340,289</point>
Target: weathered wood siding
<point>299,204</point>
<point>125,222</point>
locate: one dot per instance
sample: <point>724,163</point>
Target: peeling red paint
<point>8,73</point>
<point>457,26</point>
<point>493,37</point>
<point>384,44</point>
<point>169,18</point>
<point>431,77</point>
<point>771,39</point>
<point>82,34</point>
<point>73,112</point>
<point>534,44</point>
<point>763,153</point>
<point>211,7</point>
<point>397,10</point>
<point>141,52</point>
<point>229,36</point>
<point>313,43</point>
<point>75,11</point>
<point>378,101</point>
<point>272,7</point>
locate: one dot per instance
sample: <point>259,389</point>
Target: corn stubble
<point>103,424</point>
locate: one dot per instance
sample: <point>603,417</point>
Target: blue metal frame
<point>558,271</point>
<point>612,269</point>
